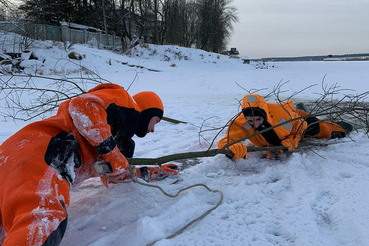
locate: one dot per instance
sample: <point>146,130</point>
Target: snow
<point>78,26</point>
<point>315,196</point>
<point>42,224</point>
<point>84,124</point>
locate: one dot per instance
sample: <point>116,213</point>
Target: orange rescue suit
<point>39,163</point>
<point>275,114</point>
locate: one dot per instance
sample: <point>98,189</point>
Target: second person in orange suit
<point>40,163</point>
<point>258,115</point>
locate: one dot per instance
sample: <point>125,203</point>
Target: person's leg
<point>330,130</point>
<point>313,127</point>
<point>33,195</point>
<point>301,107</point>
<point>2,231</point>
<point>321,129</point>
<point>35,210</point>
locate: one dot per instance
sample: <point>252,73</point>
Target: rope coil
<point>182,229</point>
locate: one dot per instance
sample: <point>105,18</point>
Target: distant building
<point>246,60</point>
<point>233,52</point>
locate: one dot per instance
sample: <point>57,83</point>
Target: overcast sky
<point>269,28</point>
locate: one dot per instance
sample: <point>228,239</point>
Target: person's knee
<point>2,232</point>
<point>44,225</point>
<point>57,235</point>
<point>337,135</point>
<point>35,211</point>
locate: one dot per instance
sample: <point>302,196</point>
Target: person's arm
<point>292,140</point>
<point>90,119</point>
<point>234,132</point>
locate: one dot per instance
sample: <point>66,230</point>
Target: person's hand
<point>114,178</point>
<point>291,143</point>
<point>146,173</point>
<point>116,161</point>
<point>239,150</point>
<point>157,173</point>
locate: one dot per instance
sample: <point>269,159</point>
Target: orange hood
<point>253,104</point>
<point>149,105</point>
<point>148,99</point>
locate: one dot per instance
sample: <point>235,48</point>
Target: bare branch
<point>31,96</point>
<point>208,153</point>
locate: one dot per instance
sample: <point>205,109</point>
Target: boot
<point>301,106</point>
<point>330,130</point>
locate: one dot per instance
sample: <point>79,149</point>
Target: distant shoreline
<point>346,57</point>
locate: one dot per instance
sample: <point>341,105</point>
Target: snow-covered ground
<point>315,196</point>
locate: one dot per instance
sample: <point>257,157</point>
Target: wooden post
<point>64,32</point>
<point>84,36</point>
<point>45,32</point>
<point>99,38</point>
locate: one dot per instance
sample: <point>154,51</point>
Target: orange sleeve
<point>299,126</point>
<point>235,132</point>
<point>90,118</point>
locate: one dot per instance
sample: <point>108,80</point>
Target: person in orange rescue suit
<point>41,162</point>
<point>258,115</point>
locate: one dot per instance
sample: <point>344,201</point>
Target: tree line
<point>207,24</point>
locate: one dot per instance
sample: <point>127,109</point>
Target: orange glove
<point>117,162</point>
<point>239,150</point>
<point>157,173</point>
<point>146,173</point>
<point>113,178</point>
<point>268,154</point>
<point>291,143</point>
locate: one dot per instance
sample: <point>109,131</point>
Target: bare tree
<point>27,97</point>
<point>206,23</point>
<point>7,9</point>
<point>216,19</point>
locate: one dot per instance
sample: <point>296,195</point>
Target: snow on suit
<point>275,114</point>
<point>39,163</point>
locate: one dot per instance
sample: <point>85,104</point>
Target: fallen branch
<point>173,120</point>
<point>208,153</point>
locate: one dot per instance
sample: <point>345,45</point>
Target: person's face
<point>255,121</point>
<point>154,120</point>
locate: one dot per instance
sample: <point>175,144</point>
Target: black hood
<point>254,111</point>
<point>144,119</point>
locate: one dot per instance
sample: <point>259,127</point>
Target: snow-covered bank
<point>313,197</point>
